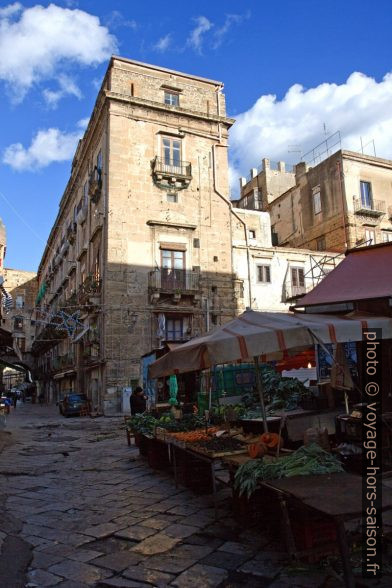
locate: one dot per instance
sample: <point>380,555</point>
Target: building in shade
<point>142,240</point>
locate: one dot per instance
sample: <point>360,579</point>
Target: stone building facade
<point>343,202</point>
<point>272,278</point>
<point>140,252</point>
<point>22,286</point>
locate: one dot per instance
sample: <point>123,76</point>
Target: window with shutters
<point>264,274</point>
<point>316,200</point>
<point>297,281</point>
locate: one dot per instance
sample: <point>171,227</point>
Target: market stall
<point>264,337</point>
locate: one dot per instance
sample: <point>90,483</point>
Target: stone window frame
<point>264,273</point>
<point>316,200</point>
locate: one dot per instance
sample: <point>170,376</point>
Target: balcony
<point>374,208</point>
<point>95,185</point>
<point>175,174</point>
<point>90,290</point>
<point>71,232</point>
<point>81,214</point>
<point>177,282</point>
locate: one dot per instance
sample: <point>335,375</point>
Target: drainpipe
<point>343,204</point>
<point>237,217</point>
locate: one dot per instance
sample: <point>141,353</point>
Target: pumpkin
<point>271,440</point>
<point>256,450</point>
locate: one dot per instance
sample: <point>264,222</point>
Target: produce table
<point>181,455</point>
<point>337,496</point>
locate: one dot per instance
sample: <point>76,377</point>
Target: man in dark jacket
<point>138,401</point>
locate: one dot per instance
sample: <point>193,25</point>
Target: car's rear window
<point>76,397</point>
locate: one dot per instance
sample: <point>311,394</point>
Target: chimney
<point>253,173</point>
<point>265,164</point>
<point>242,183</point>
<point>300,169</point>
<point>281,166</point>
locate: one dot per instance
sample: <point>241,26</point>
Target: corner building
<point>141,246</point>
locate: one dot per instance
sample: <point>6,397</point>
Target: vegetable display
<point>142,423</point>
<point>221,444</point>
<point>303,462</point>
<point>194,436</point>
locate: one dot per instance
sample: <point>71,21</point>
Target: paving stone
<point>71,584</point>
<point>135,533</point>
<point>56,549</point>
<point>110,545</point>
<point>170,564</point>
<point>84,555</point>
<point>200,575</point>
<point>104,530</point>
<point>180,531</point>
<point>237,548</point>
<point>79,571</point>
<point>227,561</point>
<point>158,543</point>
<point>76,539</point>
<point>118,561</point>
<point>159,522</point>
<point>266,565</point>
<point>201,539</point>
<point>43,578</point>
<point>144,574</point>
<point>183,510</point>
<point>44,560</point>
<point>122,583</point>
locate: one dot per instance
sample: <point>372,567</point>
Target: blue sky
<point>289,68</point>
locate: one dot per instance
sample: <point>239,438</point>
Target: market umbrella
<point>265,336</point>
<point>268,336</point>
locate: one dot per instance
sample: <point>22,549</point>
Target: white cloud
<point>82,123</point>
<point>196,37</point>
<point>48,146</point>
<point>163,43</point>
<point>221,32</point>
<point>360,107</point>
<point>116,20</point>
<point>38,44</point>
<point>67,87</point>
<point>10,10</point>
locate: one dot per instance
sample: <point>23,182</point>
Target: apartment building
<point>22,286</point>
<point>272,278</point>
<point>140,252</point>
<point>343,202</point>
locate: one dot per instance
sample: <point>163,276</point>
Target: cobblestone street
<point>83,509</point>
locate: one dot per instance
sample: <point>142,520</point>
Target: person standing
<point>138,401</point>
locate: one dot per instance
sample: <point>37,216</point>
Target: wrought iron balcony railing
<point>171,167</point>
<point>373,208</point>
<point>174,280</point>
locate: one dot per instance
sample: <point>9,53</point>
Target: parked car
<point>73,404</point>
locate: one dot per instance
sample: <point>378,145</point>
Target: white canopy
<point>266,335</point>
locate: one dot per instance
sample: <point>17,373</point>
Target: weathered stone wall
<point>141,218</point>
<point>23,287</point>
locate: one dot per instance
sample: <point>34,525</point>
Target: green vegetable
<point>303,462</point>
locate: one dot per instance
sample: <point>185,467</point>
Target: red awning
<point>295,362</point>
<point>364,274</point>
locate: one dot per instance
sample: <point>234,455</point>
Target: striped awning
<point>267,335</point>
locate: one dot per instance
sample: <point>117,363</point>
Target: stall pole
<point>259,386</point>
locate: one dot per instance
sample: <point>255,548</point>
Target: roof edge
<point>165,69</point>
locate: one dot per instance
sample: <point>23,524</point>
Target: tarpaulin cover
<point>363,275</point>
<point>267,335</point>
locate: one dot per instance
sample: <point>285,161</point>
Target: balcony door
<point>297,281</point>
<point>172,154</point>
<point>173,269</point>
